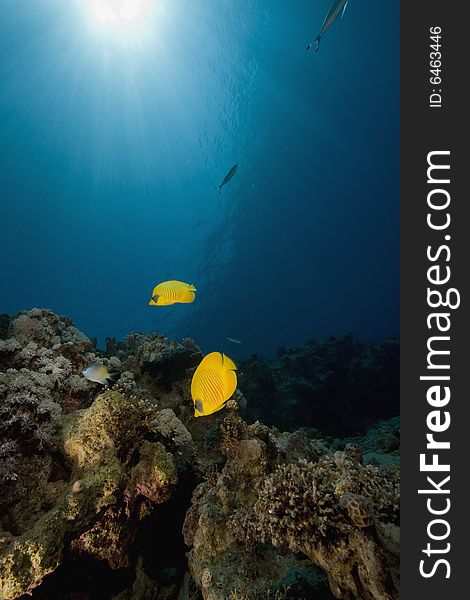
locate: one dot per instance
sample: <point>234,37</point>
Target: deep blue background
<point>111,145</point>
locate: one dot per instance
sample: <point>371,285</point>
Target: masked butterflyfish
<point>213,383</point>
<point>100,374</point>
<point>172,292</point>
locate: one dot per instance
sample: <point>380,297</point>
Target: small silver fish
<point>338,7</point>
<point>233,340</point>
<point>227,177</point>
<point>100,374</point>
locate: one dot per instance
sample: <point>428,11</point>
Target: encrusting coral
<point>303,506</point>
<point>108,475</point>
<point>333,515</point>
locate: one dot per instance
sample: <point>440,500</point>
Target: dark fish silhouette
<point>338,7</point>
<point>227,177</point>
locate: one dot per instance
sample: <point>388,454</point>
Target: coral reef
<point>100,497</point>
<point>40,360</point>
<point>115,485</point>
<point>4,325</point>
<point>380,444</point>
<point>298,385</point>
<point>302,505</point>
<point>260,506</point>
<point>79,471</point>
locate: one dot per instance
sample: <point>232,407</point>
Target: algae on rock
<point>102,501</point>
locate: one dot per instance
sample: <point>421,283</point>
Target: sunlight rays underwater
<point>137,119</point>
<point>124,132</point>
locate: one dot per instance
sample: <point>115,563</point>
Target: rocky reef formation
<point>266,505</point>
<point>297,387</point>
<point>121,493</point>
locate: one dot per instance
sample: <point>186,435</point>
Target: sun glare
<point>119,14</point>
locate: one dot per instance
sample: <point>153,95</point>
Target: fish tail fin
<point>113,377</point>
<point>315,43</point>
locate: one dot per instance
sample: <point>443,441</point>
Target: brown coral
<point>298,506</point>
<point>358,509</point>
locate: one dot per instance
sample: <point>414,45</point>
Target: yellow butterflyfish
<point>172,292</point>
<point>213,383</point>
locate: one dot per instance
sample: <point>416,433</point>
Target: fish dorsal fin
<point>214,360</point>
<point>344,8</point>
<point>228,363</point>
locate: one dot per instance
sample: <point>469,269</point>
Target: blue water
<point>113,138</point>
